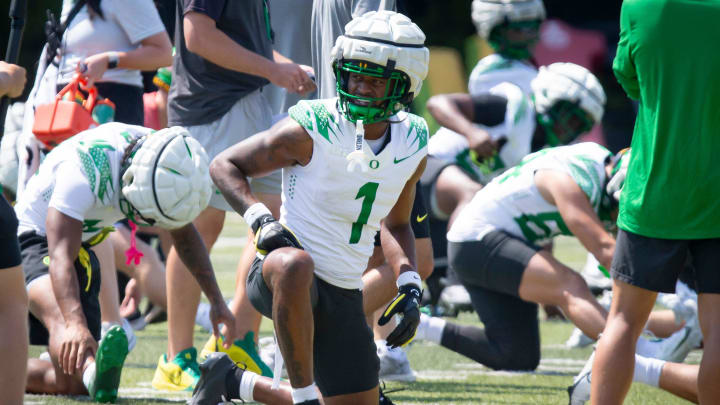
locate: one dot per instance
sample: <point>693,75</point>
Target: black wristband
<point>112,60</point>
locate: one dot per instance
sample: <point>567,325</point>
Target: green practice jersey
<point>668,60</point>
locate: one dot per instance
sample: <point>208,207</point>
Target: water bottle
<point>104,111</point>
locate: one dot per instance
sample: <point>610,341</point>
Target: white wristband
<point>409,277</point>
<point>254,212</point>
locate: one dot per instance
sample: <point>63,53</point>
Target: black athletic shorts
<point>496,262</point>
<point>655,264</point>
<point>418,217</point>
<point>344,353</point>
<point>35,261</point>
<point>9,248</point>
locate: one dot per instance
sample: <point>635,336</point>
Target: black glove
<point>406,303</point>
<point>271,234</point>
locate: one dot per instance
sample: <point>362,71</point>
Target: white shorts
<point>248,116</point>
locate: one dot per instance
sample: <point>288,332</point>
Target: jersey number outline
<point>367,192</point>
<point>535,227</point>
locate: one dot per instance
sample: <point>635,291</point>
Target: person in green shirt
<point>670,201</point>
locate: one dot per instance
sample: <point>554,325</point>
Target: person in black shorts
<point>83,187</point>
<point>494,246</point>
<point>350,168</point>
<point>485,134</point>
<point>13,310</point>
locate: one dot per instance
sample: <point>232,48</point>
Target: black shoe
<point>210,388</point>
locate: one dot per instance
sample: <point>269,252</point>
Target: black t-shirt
<point>202,91</point>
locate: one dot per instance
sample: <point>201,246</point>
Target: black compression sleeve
<point>489,109</point>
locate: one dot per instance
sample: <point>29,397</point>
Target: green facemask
<point>521,50</point>
<point>558,122</point>
<point>371,109</point>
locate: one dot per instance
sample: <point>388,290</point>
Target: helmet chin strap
<point>357,157</point>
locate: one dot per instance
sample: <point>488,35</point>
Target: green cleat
<point>180,374</point>
<point>108,365</point>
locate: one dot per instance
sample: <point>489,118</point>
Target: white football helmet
<point>383,44</point>
<point>563,90</point>
<point>570,82</point>
<point>165,179</point>
<point>488,14</point>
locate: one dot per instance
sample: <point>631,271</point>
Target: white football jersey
<point>512,202</point>
<point>517,128</point>
<point>495,69</point>
<point>335,213</point>
<point>81,179</point>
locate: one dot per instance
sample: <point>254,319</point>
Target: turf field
<point>443,376</point>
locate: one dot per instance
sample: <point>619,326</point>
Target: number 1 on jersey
<point>367,193</point>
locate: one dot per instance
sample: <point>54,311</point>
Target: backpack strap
<point>54,31</point>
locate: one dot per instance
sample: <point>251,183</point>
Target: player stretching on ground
<point>82,188</point>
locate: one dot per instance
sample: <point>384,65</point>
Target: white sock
<point>646,347</point>
<point>304,394</point>
<point>89,375</point>
<point>648,370</point>
<point>432,328</point>
<point>247,385</point>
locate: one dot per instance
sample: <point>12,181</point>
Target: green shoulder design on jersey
<point>419,128</point>
<point>583,172</point>
<point>303,113</point>
<point>93,157</point>
<point>495,65</point>
<point>515,171</point>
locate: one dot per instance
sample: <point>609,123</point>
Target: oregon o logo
<point>374,164</point>
<point>46,260</point>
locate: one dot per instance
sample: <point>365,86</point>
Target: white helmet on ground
<point>166,179</point>
<point>383,44</point>
<point>488,14</point>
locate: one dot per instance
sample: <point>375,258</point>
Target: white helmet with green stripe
<point>165,179</point>
<point>382,44</point>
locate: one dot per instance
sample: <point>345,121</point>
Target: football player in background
<point>566,100</point>
<point>82,188</point>
<point>495,247</point>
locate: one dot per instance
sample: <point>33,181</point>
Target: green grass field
<point>443,376</point>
